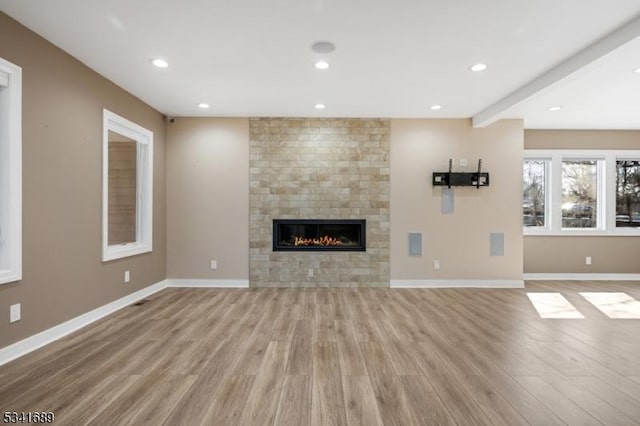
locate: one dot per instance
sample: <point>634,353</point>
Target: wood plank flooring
<point>319,356</point>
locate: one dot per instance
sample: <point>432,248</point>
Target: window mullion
<point>556,192</point>
<point>609,191</point>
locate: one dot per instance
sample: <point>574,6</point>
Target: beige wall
<point>582,139</point>
<point>561,254</point>
<point>567,254</point>
<point>208,198</point>
<point>63,275</point>
<point>460,240</point>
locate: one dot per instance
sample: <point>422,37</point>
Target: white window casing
<point>10,172</point>
<point>144,187</point>
<point>4,79</point>
<point>606,191</point>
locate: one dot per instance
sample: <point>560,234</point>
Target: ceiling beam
<point>591,53</point>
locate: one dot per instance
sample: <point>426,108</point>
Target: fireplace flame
<point>323,241</point>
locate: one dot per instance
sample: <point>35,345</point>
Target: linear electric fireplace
<point>319,235</point>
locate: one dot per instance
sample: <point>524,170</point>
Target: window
<point>534,200</point>
<point>10,172</point>
<point>127,188</point>
<point>627,194</point>
<point>581,192</point>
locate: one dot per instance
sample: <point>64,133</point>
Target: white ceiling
<point>393,58</point>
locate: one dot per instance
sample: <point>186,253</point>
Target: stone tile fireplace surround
<point>306,168</point>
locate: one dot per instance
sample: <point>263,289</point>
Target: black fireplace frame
<point>320,222</point>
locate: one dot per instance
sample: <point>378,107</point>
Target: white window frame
<point>10,172</point>
<point>606,191</point>
<point>601,193</point>
<point>144,187</point>
<point>611,212</point>
<point>548,211</point>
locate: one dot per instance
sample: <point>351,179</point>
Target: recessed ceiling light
<point>321,65</point>
<point>555,108</point>
<point>435,107</point>
<point>478,67</point>
<point>203,105</point>
<point>319,106</point>
<point>160,63</point>
<point>637,70</point>
<point>323,47</point>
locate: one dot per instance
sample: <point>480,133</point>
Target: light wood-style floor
<point>339,357</point>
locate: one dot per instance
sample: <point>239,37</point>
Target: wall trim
<point>581,277</point>
<point>30,344</point>
<point>11,172</point>
<point>144,187</point>
<point>178,282</point>
<point>457,283</point>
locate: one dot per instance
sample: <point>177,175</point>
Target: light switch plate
<point>15,312</point>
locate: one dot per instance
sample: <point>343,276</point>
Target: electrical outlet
<point>14,312</point>
<point>127,276</point>
<point>587,260</point>
<point>214,264</point>
<point>463,162</point>
<point>310,273</point>
<point>436,265</point>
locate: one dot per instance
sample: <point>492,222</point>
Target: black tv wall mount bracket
<point>452,178</point>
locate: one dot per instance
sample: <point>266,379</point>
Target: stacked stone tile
<point>303,168</point>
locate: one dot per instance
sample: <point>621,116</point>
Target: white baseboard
<point>175,282</point>
<point>23,347</point>
<point>581,277</point>
<point>457,283</point>
<point>30,344</point>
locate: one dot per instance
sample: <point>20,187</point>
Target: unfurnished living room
<point>320,212</point>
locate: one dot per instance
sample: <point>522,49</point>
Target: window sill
<point>124,250</point>
<point>579,233</point>
<point>8,276</point>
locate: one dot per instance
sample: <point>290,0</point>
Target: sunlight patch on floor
<point>614,305</point>
<point>553,305</point>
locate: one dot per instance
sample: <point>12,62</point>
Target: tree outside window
<point>579,194</point>
<point>533,193</point>
<point>628,193</point>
